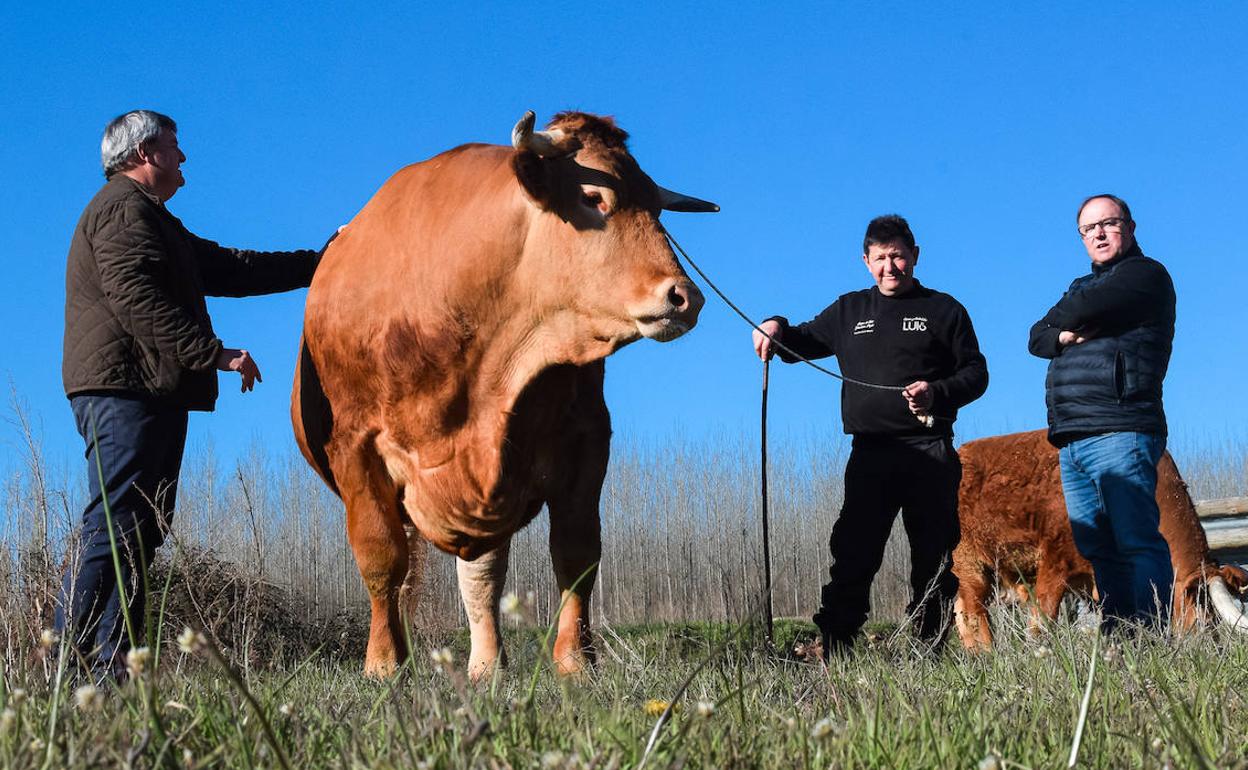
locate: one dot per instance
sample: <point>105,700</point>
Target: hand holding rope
<point>927,419</point>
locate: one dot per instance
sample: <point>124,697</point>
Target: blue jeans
<point>138,445</point>
<point>1110,483</point>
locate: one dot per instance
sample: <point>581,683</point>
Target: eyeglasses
<point>1111,225</point>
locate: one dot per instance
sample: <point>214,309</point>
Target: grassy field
<point>1154,703</point>
<point>258,562</point>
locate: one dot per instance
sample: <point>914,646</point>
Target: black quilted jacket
<point>135,317</point>
<point>1112,382</point>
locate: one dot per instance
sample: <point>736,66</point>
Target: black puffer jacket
<point>1112,382</point>
<point>135,317</point>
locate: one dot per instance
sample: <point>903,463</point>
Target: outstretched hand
<point>232,360</point>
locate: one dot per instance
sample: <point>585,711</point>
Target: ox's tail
<point>312,417</point>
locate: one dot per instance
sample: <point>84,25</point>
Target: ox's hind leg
<point>575,528</point>
<point>379,543</point>
<point>481,588</point>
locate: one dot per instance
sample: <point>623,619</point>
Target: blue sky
<point>984,126</point>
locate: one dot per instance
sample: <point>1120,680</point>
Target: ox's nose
<point>679,296</point>
<point>672,311</point>
<point>685,298</point>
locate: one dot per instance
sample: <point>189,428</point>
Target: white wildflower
<point>191,641</point>
<point>48,639</point>
<point>36,745</point>
<point>188,758</point>
<point>8,718</point>
<point>137,660</point>
<point>89,698</point>
<point>552,759</point>
<point>17,696</point>
<point>990,762</point>
<point>823,728</point>
<point>1041,652</point>
<point>705,709</point>
<point>1158,744</point>
<point>285,709</point>
<point>512,607</point>
<point>442,657</point>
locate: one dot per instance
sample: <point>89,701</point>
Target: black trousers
<point>919,478</point>
<point>134,447</point>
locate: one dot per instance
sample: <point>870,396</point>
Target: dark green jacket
<point>135,317</point>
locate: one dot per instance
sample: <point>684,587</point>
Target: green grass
<point>258,560</point>
<point>1156,702</point>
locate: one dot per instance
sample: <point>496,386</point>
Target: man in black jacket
<point>1108,342</point>
<point>921,343</point>
<point>139,354</point>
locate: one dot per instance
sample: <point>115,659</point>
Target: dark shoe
<point>833,646</point>
<point>831,641</point>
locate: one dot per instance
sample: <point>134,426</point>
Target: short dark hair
<point>887,229</point>
<point>1122,206</point>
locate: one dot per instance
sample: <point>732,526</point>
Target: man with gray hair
<point>139,354</point>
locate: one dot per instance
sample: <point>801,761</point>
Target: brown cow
<point>451,372</point>
<point>1015,529</point>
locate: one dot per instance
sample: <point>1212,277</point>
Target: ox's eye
<point>592,199</point>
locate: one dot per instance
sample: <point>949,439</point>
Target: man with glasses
<point>1108,342</point>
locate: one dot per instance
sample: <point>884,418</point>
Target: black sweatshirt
<point>921,335</point>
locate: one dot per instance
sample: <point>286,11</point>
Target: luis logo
<point>915,324</point>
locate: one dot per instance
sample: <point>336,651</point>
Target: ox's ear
<point>534,175</point>
<point>674,201</point>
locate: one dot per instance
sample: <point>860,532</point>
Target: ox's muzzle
<point>672,310</point>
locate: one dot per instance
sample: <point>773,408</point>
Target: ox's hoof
<point>380,669</point>
<point>484,668</point>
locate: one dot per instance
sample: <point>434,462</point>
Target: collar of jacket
<point>122,179</point>
<point>915,289</point>
<point>1134,251</point>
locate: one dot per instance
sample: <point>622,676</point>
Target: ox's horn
<point>545,144</point>
<point>674,201</point>
<point>1229,608</point>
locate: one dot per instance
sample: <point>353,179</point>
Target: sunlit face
<point>1109,233</point>
<point>165,160</point>
<point>892,266</point>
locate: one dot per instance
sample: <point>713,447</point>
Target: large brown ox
<point>451,371</point>
<point>1015,531</point>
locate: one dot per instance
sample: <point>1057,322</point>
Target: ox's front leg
<point>575,549</point>
<point>481,584</point>
<point>576,544</point>
<point>970,609</point>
